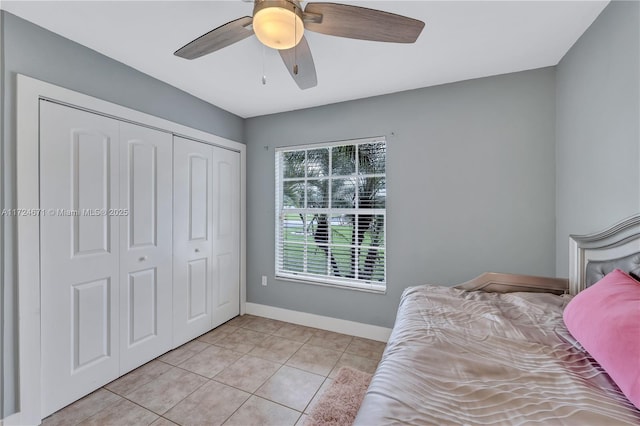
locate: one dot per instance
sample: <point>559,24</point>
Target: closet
<point>139,244</point>
<point>206,237</point>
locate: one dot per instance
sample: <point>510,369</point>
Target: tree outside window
<point>331,213</point>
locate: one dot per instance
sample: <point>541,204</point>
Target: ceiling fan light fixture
<point>278,24</point>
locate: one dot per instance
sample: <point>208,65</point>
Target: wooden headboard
<point>494,282</point>
<point>593,256</point>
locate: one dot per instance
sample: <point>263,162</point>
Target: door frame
<point>29,94</point>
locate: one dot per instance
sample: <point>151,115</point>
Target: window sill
<point>366,288</point>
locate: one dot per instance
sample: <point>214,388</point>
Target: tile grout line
<point>314,395</point>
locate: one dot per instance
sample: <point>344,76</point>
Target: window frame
<point>327,279</point>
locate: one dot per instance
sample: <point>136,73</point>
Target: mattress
<point>476,358</point>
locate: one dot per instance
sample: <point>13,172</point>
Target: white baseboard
<point>11,420</point>
<point>353,328</point>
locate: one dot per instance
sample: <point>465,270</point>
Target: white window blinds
<point>331,214</point>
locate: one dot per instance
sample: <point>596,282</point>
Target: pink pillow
<point>605,319</point>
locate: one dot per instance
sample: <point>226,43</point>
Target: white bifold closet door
<point>226,235</point>
<point>105,191</point>
<point>145,245</point>
<point>206,237</point>
<point>192,239</point>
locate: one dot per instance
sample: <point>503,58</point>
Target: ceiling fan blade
<point>299,62</point>
<point>218,38</point>
<point>361,23</point>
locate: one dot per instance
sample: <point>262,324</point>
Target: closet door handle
<point>143,258</point>
<point>197,250</point>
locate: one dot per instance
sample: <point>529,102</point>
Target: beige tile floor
<point>249,371</point>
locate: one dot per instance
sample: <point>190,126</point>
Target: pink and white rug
<point>339,405</point>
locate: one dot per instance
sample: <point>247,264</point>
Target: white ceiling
<point>462,40</point>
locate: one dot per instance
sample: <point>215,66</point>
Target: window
<point>331,215</point>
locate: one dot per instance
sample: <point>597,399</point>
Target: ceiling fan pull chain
<point>264,74</point>
<point>295,48</point>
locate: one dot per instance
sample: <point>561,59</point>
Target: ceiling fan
<point>280,24</point>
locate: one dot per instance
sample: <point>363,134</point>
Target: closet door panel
<point>199,200</point>
<point>90,322</point>
<point>197,289</point>
<point>79,165</point>
<point>192,238</point>
<point>146,244</point>
<point>226,240</point>
<point>142,316</point>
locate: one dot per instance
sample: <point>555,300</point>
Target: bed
<point>496,350</point>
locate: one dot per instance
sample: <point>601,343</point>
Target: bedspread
<point>476,358</point>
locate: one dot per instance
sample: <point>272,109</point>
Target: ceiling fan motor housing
<point>278,23</point>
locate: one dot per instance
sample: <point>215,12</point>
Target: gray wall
<point>598,130</point>
<point>33,51</point>
<point>471,187</point>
